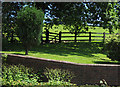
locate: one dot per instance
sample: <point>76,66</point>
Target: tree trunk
<point>26,51</point>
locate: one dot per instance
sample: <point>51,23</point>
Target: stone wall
<point>85,73</point>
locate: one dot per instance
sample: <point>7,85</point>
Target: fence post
<point>55,39</point>
<point>47,36</point>
<point>60,36</point>
<point>89,36</point>
<point>103,37</point>
<point>41,39</point>
<point>75,36</point>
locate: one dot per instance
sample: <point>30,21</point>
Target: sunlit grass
<point>83,52</point>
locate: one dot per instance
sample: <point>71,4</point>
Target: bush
<point>113,47</point>
<point>58,76</point>
<point>4,58</point>
<point>19,75</point>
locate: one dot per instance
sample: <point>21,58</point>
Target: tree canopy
<point>73,15</point>
<point>82,14</point>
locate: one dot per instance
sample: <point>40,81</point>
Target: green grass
<point>82,52</point>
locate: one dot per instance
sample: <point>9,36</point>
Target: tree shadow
<point>105,62</point>
<point>13,47</point>
<point>63,49</point>
<point>19,54</point>
<point>85,49</point>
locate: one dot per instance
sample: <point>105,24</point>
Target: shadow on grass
<point>19,54</point>
<point>104,62</point>
<point>63,49</point>
<point>13,47</point>
<point>85,49</point>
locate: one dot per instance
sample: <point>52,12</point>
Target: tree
<point>110,19</point>
<point>105,15</point>
<point>9,10</point>
<point>79,15</point>
<point>29,26</point>
<point>72,15</point>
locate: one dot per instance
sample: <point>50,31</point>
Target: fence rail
<point>75,36</point>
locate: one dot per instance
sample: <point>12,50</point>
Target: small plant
<point>113,47</point>
<point>4,57</point>
<point>103,83</point>
<point>18,75</point>
<point>58,76</point>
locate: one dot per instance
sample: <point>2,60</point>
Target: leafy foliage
<point>18,75</point>
<point>76,16</point>
<point>9,10</point>
<point>29,26</point>
<point>72,15</point>
<point>113,47</point>
<point>111,17</point>
<point>4,57</point>
<point>58,76</point>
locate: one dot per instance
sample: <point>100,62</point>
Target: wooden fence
<point>48,37</point>
<point>76,36</point>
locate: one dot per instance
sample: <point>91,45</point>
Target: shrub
<point>113,47</point>
<point>18,75</point>
<point>58,76</point>
<point>4,58</point>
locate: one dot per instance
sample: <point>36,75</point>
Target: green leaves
<point>29,26</point>
<point>113,47</point>
<point>76,16</point>
<point>18,75</point>
<point>58,75</point>
<point>112,17</point>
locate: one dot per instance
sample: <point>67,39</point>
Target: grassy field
<point>80,52</point>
